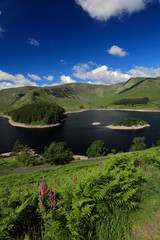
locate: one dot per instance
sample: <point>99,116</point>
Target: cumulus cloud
<point>33,42</point>
<point>49,78</point>
<point>117,51</point>
<point>8,80</point>
<point>104,75</point>
<point>144,72</point>
<point>105,9</point>
<point>66,79</point>
<point>34,77</point>
<point>101,75</point>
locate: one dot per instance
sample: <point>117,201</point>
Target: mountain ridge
<point>76,96</point>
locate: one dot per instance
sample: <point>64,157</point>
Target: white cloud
<point>0,12</point>
<point>34,77</point>
<point>33,42</point>
<point>101,75</point>
<point>51,85</point>
<point>104,75</point>
<point>105,9</point>
<point>1,31</point>
<point>49,78</point>
<point>144,72</point>
<point>4,85</point>
<point>117,51</point>
<point>66,79</point>
<point>17,80</point>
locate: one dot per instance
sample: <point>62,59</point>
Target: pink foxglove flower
<point>52,199</point>
<point>100,164</point>
<point>53,202</point>
<point>75,179</point>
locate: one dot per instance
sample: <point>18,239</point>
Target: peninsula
<point>36,115</point>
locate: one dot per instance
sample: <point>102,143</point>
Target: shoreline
<point>114,109</point>
<point>23,125</point>
<point>16,124</point>
<point>134,127</point>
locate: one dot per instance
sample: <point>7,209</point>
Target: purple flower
<point>52,199</point>
<point>100,164</point>
<point>74,179</point>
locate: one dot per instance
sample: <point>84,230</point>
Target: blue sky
<point>62,41</point>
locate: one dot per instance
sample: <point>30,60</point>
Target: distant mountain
<point>78,96</point>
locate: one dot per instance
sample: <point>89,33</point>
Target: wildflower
<point>45,184</point>
<point>44,188</point>
<point>52,199</point>
<point>100,164</point>
<point>50,193</point>
<point>75,178</point>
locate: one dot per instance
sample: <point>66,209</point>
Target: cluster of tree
<point>24,154</point>
<point>129,101</point>
<point>138,144</point>
<point>38,113</point>
<point>98,147</point>
<point>57,153</point>
<point>128,122</point>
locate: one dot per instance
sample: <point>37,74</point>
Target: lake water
<point>79,132</point>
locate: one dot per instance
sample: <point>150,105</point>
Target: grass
<point>140,223</point>
<point>11,165</point>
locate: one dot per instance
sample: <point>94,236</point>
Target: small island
<point>37,115</point>
<point>129,124</point>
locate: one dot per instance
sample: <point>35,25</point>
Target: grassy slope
<point>72,96</point>
<point>9,97</point>
<point>144,221</point>
<point>139,87</point>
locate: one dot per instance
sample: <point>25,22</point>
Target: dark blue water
<point>79,132</point>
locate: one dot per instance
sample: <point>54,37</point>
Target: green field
<point>119,200</point>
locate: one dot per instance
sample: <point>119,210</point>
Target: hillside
<point>117,200</point>
<point>76,96</point>
<point>9,97</point>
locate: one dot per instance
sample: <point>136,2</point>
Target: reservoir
<point>79,131</point>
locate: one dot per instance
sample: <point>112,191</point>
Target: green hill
<point>76,96</point>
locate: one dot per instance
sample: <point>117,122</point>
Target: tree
<point>18,147</point>
<point>114,151</point>
<point>139,144</point>
<point>97,149</point>
<point>57,153</point>
<point>25,157</point>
